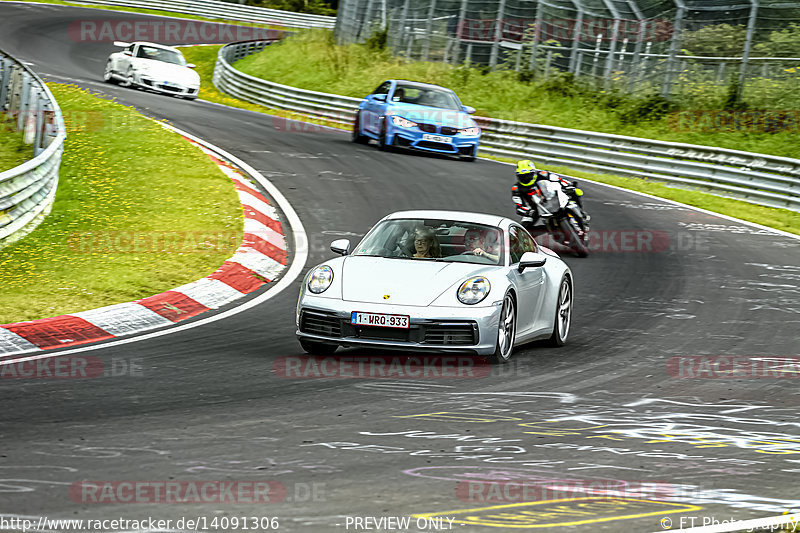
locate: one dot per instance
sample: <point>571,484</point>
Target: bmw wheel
<point>506,330</point>
<point>357,137</point>
<point>382,139</point>
<point>563,317</point>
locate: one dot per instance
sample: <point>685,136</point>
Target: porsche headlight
<point>471,132</point>
<point>402,122</point>
<point>320,279</point>
<point>474,290</point>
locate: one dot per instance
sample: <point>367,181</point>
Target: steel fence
<point>690,48</point>
<point>227,11</point>
<point>757,178</point>
<point>27,191</point>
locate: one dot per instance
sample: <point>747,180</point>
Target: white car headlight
<point>474,290</point>
<point>402,122</point>
<point>472,132</point>
<point>320,279</point>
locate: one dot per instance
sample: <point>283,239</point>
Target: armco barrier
<point>27,191</point>
<point>757,178</point>
<point>226,11</point>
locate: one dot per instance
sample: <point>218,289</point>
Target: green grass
<point>173,14</point>
<point>311,60</point>
<point>13,151</point>
<point>781,219</point>
<point>122,177</point>
<point>205,57</point>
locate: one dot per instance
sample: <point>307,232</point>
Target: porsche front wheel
<point>506,330</point>
<point>563,316</point>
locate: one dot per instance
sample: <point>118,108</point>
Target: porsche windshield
<point>161,54</point>
<point>434,240</point>
<point>427,96</point>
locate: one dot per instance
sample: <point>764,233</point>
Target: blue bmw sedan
<point>407,114</point>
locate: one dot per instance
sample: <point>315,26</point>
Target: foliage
<point>311,60</point>
<point>781,43</point>
<point>316,7</point>
<point>13,151</point>
<point>719,40</point>
<point>81,256</point>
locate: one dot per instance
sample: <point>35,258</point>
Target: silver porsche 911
<point>437,281</point>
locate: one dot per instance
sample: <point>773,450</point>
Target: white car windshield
<point>434,240</point>
<point>161,54</point>
<point>427,96</point>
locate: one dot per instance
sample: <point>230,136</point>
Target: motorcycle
<point>559,214</point>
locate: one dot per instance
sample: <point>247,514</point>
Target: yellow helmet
<point>526,172</point>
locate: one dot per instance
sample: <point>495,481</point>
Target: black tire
<point>563,313</point>
<point>317,348</point>
<point>506,330</point>
<point>469,158</point>
<point>129,79</point>
<point>356,136</point>
<point>108,74</point>
<point>574,240</point>
<point>382,139</point>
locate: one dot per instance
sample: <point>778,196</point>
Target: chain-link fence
<point>688,48</point>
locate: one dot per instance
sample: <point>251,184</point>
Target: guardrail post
<point>674,46</point>
<point>498,34</point>
<point>426,46</point>
<point>576,36</point>
<point>751,28</point>
<point>24,100</point>
<point>537,32</point>
<point>612,47</point>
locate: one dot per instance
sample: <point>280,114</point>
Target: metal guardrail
<point>757,178</point>
<point>27,191</point>
<point>227,11</point>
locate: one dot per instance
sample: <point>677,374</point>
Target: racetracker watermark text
<point>392,367</point>
<point>175,31</point>
<point>733,367</point>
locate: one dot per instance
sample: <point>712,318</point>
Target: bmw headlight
<point>474,290</point>
<point>402,122</point>
<point>320,279</point>
<point>471,132</point>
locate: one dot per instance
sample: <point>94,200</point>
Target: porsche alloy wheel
<point>506,330</point>
<point>563,317</point>
<point>108,73</point>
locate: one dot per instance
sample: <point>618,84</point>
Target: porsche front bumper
<point>435,329</point>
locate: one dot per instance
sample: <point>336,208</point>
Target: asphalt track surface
<point>206,404</point>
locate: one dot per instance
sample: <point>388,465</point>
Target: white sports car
<point>437,280</point>
<point>152,66</point>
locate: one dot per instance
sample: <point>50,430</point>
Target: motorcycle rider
<point>526,194</point>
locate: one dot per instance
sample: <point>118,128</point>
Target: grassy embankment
<point>138,211</point>
<point>13,151</point>
<point>311,60</point>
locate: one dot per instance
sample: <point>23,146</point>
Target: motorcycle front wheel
<point>572,239</point>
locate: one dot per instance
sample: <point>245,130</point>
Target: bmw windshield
<point>434,240</point>
<point>426,96</point>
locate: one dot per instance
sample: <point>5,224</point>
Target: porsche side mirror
<point>340,246</point>
<point>531,260</point>
<point>127,53</point>
<point>191,65</point>
<point>470,110</point>
<point>379,97</point>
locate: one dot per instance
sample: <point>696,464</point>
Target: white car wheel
<point>506,330</point>
<point>108,73</point>
<point>563,317</point>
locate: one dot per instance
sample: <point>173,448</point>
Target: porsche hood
<point>405,281</point>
